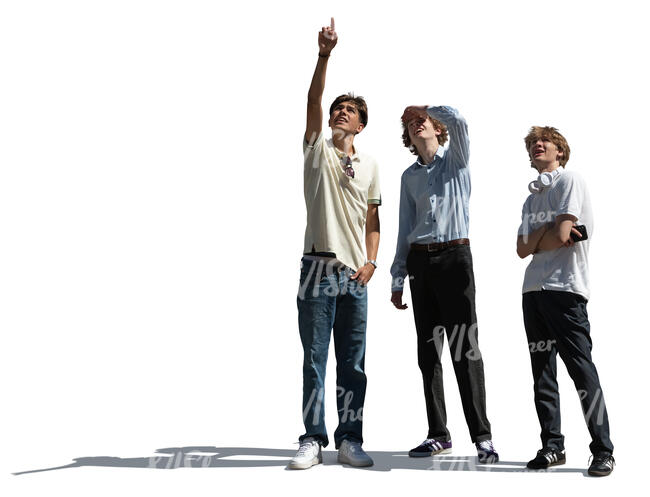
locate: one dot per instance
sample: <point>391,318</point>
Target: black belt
<point>434,247</point>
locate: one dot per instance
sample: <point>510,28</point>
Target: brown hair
<point>358,102</point>
<point>442,137</point>
<point>551,134</point>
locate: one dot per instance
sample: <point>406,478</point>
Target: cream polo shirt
<point>337,205</point>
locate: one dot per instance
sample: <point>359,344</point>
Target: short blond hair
<point>551,134</point>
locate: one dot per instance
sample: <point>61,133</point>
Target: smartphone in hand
<point>583,231</point>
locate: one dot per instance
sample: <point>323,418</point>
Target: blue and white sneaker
<point>486,452</point>
<point>430,447</point>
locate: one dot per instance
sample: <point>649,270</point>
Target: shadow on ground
<point>252,457</point>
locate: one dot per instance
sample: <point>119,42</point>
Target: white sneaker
<point>309,454</point>
<point>351,453</point>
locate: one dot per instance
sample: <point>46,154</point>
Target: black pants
<point>442,289</point>
<point>557,322</point>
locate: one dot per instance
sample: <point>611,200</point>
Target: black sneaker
<point>602,464</point>
<point>430,447</point>
<point>547,457</point>
<point>486,452</point>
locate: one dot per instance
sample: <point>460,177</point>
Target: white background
<point>151,224</point>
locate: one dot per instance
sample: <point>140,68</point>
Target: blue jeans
<point>328,299</point>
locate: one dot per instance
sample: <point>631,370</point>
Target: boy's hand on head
<point>414,112</point>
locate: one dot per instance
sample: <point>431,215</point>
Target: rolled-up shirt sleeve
<point>458,135</point>
<point>406,222</point>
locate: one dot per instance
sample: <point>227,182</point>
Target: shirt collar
<point>341,155</point>
<point>440,153</point>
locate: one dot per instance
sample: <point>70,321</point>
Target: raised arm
<point>458,135</point>
<point>327,39</point>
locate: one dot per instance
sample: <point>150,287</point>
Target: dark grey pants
<point>442,289</point>
<point>558,322</point>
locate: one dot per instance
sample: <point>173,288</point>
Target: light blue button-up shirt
<point>434,197</point>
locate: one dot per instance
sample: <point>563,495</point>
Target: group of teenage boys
<point>342,196</point>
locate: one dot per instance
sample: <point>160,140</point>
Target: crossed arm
<point>548,237</point>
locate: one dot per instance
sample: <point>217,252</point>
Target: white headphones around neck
<point>543,181</point>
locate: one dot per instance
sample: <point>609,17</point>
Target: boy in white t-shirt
<point>555,295</point>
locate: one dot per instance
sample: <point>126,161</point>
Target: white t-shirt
<point>563,269</point>
<point>337,204</point>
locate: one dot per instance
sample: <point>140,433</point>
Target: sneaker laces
<point>353,447</point>
<point>601,458</point>
<point>432,443</point>
<point>305,446</point>
<point>486,445</point>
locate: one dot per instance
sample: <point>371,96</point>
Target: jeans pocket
<point>313,273</point>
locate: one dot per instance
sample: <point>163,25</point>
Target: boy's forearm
<point>556,236</point>
<point>372,245</point>
<point>315,94</point>
<point>372,236</point>
<point>528,244</point>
